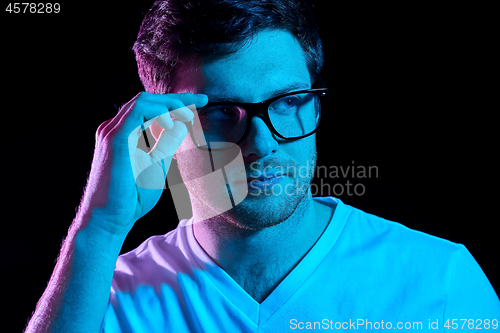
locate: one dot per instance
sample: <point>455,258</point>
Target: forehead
<point>272,61</point>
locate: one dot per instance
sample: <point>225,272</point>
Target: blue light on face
<point>270,66</point>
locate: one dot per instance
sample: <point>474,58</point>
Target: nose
<point>259,142</point>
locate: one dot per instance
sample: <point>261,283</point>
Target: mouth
<point>264,181</point>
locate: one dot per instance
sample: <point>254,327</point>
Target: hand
<point>125,182</point>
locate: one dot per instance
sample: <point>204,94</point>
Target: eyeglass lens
<point>223,125</point>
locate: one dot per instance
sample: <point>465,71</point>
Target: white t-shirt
<point>364,273</point>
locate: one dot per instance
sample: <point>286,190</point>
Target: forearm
<point>78,291</point>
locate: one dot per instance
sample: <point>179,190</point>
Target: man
<point>272,261</point>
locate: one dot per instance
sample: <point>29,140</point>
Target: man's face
<point>271,65</point>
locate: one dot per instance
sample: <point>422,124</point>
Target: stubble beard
<point>256,212</point>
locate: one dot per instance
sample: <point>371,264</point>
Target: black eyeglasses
<point>291,116</point>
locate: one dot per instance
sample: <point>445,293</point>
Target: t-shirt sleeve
<point>470,294</point>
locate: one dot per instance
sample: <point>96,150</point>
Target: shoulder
<point>407,259</point>
<point>396,241</point>
<point>413,264</point>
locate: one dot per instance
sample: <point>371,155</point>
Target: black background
<point>407,86</point>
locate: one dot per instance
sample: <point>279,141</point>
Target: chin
<point>264,211</point>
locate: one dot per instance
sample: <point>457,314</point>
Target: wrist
<point>98,246</point>
<point>104,224</point>
<point>100,228</point>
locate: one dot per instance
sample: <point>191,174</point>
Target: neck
<point>270,253</point>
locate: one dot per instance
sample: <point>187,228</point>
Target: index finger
<point>149,106</point>
<point>199,100</point>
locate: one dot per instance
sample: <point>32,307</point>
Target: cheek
<point>305,154</point>
<point>303,149</point>
<point>193,163</point>
<point>187,148</point>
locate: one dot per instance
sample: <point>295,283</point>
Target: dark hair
<point>175,30</point>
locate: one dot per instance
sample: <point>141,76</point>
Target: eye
<point>290,102</point>
<point>219,112</point>
<point>287,103</point>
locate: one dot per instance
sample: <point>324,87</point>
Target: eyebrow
<point>291,87</point>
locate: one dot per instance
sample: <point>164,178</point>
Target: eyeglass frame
<point>261,110</point>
